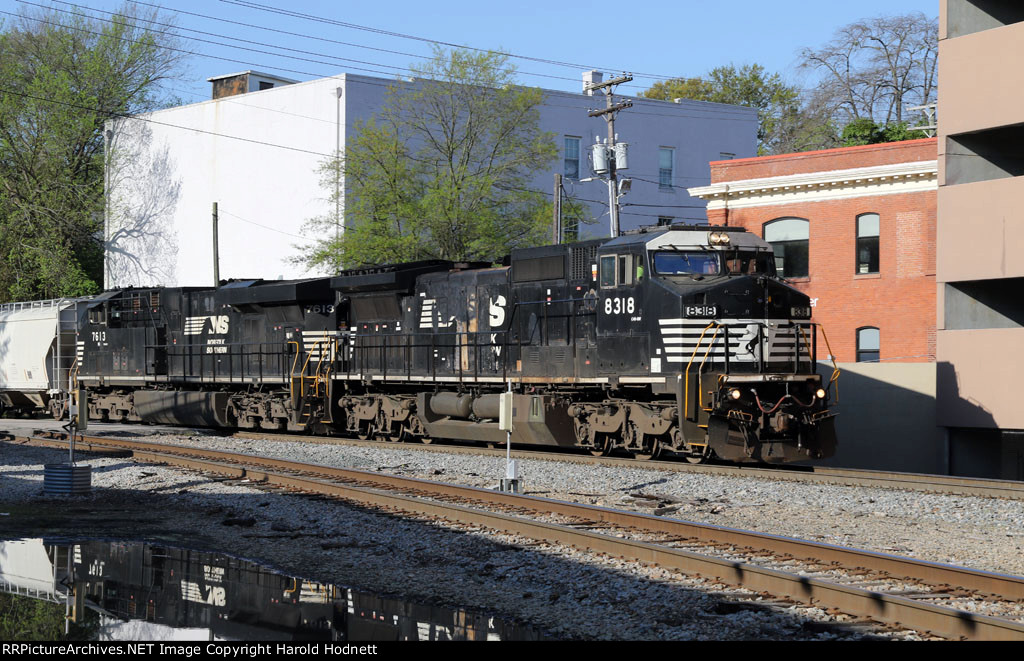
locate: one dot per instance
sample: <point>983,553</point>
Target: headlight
<point>719,239</point>
<point>821,393</point>
<point>735,394</point>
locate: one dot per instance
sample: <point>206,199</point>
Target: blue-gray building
<point>256,150</point>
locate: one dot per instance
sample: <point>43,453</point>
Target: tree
<point>30,619</point>
<point>876,68</point>
<point>777,104</point>
<point>443,171</point>
<point>866,132</point>
<point>63,75</point>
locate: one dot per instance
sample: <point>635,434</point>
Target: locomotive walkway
<point>898,591</point>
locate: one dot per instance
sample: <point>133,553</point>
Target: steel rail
<point>891,609</point>
<point>999,585</point>
<point>923,482</point>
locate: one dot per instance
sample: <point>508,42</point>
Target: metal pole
<point>609,116</point>
<point>613,206</point>
<point>511,481</point>
<point>216,250</point>
<point>613,177</point>
<point>338,226</point>
<point>557,226</point>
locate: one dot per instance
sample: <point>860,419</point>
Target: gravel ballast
<point>566,592</point>
<point>981,533</point>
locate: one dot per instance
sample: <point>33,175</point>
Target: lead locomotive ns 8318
<point>677,339</point>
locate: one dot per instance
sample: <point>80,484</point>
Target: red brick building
<point>854,228</point>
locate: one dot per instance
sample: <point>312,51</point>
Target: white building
<point>257,152</point>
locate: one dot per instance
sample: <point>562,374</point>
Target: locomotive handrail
<point>381,347</point>
<point>807,343</point>
<point>291,376</point>
<point>711,344</point>
<point>700,341</point>
<point>835,368</point>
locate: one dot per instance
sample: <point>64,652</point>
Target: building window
<point>572,158</point>
<point>867,243</point>
<point>789,238</point>
<point>665,221</point>
<point>868,345</point>
<point>264,85</point>
<point>666,161</point>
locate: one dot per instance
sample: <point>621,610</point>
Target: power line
<point>272,229</point>
<point>138,118</point>
<point>321,19</point>
<point>285,32</point>
<point>718,113</point>
<point>267,45</point>
<point>207,41</point>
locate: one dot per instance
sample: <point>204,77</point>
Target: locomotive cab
<point>701,312</point>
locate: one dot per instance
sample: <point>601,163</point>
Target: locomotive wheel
<point>398,434</point>
<point>599,445</point>
<point>635,437</point>
<point>700,458</point>
<point>426,440</point>
<point>604,449</point>
<point>654,451</point>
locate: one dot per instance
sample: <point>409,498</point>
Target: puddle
<point>137,591</point>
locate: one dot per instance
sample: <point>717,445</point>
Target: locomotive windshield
<point>747,262</point>
<point>687,263</point>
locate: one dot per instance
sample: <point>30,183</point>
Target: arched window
<point>867,243</point>
<point>789,239</point>
<point>868,345</point>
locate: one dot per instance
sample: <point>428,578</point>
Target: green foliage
<point>864,131</point>
<point>777,104</point>
<point>23,619</point>
<point>861,131</point>
<point>63,76</point>
<point>442,173</point>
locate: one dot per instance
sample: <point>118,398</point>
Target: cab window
<point>687,263</point>
<point>749,263</point>
<point>625,269</point>
<point>608,272</point>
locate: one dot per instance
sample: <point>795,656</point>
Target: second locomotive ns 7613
<point>676,339</point>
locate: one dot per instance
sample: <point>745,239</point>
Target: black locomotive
<point>148,592</point>
<point>678,339</point>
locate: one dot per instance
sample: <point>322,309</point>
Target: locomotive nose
<point>738,297</point>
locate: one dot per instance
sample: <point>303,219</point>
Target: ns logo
<point>496,318</point>
<point>196,325</point>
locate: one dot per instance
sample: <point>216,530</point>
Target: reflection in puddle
<point>151,592</point>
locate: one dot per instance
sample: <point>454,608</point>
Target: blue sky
<point>651,39</point>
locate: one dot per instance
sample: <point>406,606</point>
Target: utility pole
<point>615,154</point>
<point>338,225</point>
<point>557,226</point>
<point>216,250</point>
<point>930,111</point>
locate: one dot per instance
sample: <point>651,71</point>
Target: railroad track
<point>897,591</point>
<point>942,484</point>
